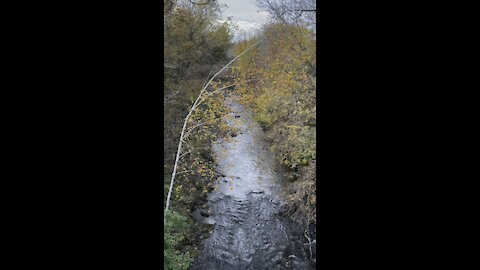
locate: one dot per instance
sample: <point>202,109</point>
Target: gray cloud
<point>245,14</point>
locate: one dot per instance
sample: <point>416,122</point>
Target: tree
<point>289,11</point>
<point>200,99</point>
<point>279,85</point>
<point>195,43</point>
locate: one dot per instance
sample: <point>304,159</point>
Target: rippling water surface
<point>249,233</point>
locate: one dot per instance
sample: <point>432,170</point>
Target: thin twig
<point>185,154</point>
<point>211,93</point>
<point>190,130</point>
<point>309,240</point>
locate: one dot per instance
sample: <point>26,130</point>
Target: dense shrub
<point>174,231</point>
<point>277,81</point>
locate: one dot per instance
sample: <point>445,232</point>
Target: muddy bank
<point>249,231</point>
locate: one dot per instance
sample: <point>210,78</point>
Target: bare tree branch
<point>200,4</point>
<point>211,93</point>
<point>182,134</point>
<point>190,130</point>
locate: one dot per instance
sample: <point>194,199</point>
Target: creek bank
<point>246,207</point>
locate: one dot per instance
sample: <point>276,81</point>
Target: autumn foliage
<point>195,46</point>
<point>278,82</point>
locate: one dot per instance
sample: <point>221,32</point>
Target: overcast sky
<point>245,14</point>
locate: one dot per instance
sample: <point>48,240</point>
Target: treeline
<point>195,47</point>
<point>278,82</point>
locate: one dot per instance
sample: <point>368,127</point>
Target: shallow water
<point>249,232</point>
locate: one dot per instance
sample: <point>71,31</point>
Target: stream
<point>249,232</point>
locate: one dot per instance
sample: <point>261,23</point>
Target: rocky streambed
<point>249,232</point>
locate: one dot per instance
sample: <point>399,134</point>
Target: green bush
<point>175,229</point>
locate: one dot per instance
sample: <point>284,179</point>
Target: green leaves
<point>174,232</point>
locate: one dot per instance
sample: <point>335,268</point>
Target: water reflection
<point>249,233</point>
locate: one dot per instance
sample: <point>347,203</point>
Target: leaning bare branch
<point>218,90</point>
<point>211,93</point>
<point>182,134</point>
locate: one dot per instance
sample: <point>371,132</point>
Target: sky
<point>245,14</point>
